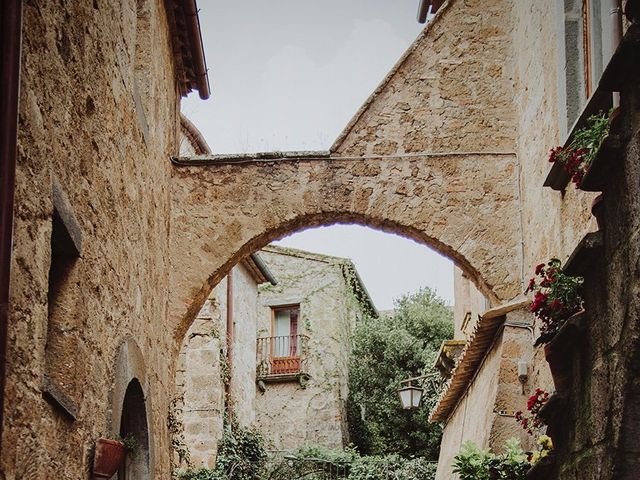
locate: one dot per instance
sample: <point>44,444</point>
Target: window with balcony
<point>282,353</point>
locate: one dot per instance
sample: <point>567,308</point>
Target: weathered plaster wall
<point>472,419</point>
<point>291,416</point>
<point>79,122</point>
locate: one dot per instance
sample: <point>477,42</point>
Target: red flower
<point>539,268</point>
<point>555,154</point>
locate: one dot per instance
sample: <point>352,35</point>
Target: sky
<point>289,75</point>
<point>389,265</point>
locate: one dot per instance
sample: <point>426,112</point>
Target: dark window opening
<point>133,423</point>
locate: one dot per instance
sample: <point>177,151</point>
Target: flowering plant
<point>533,423</point>
<point>545,445</point>
<point>556,297</point>
<point>578,155</point>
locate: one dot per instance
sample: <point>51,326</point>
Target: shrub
<point>241,456</point>
<point>315,462</point>
<point>473,463</point>
<point>203,474</point>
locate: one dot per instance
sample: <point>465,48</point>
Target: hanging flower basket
<point>576,158</point>
<point>108,458</point>
<point>556,298</point>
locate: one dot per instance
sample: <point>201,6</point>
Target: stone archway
<point>428,156</point>
<point>453,204</point>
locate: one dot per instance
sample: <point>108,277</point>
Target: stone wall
<point>85,122</point>
<point>243,371</point>
<point>485,412</point>
<point>596,426</point>
<point>291,415</point>
<point>469,302</point>
<point>202,367</point>
<point>552,222</point>
<point>431,156</point>
<point>199,382</point>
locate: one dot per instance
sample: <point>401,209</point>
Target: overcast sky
<point>289,75</point>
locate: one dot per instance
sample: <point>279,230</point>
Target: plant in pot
<point>110,454</point>
<point>576,158</point>
<point>556,298</point>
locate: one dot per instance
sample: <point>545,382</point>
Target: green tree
<point>385,351</point>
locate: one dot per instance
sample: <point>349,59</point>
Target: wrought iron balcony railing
<point>281,356</point>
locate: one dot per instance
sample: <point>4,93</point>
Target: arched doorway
<point>131,408</point>
<point>133,423</point>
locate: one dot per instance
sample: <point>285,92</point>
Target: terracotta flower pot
<point>560,366</point>
<point>108,458</point>
<point>597,209</point>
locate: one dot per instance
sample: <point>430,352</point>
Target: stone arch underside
<point>429,156</point>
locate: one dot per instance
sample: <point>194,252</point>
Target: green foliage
<point>387,350</point>
<point>241,453</point>
<point>579,154</point>
<point>315,463</point>
<point>241,456</point>
<point>392,466</point>
<point>590,137</point>
<point>178,443</point>
<point>473,463</point>
<point>131,444</point>
<point>349,454</point>
<point>203,474</point>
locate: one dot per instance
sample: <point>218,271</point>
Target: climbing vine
<point>178,443</point>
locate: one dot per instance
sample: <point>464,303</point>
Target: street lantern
<point>410,397</point>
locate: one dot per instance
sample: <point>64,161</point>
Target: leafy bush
<point>418,469</point>
<point>315,462</point>
<point>385,351</point>
<point>241,456</point>
<point>349,454</point>
<point>203,474</point>
<point>473,463</point>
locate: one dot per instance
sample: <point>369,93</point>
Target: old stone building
<point>118,241</point>
<point>287,331</point>
<point>308,314</point>
<point>89,351</point>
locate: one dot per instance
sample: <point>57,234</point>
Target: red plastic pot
<point>108,458</point>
